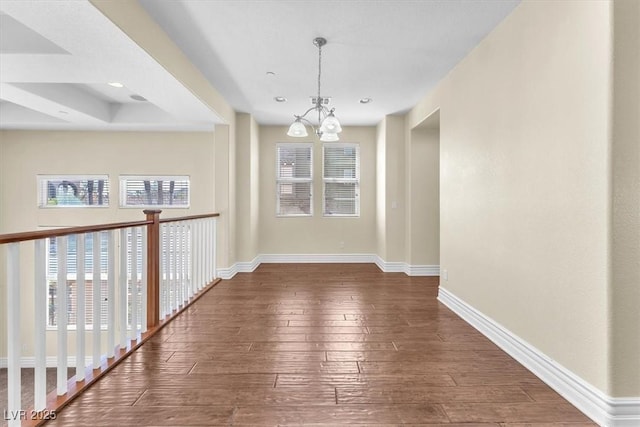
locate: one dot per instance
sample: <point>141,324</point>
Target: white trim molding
<point>386,267</point>
<point>604,410</point>
<point>317,258</point>
<point>248,267</point>
<point>227,273</point>
<point>422,270</point>
<point>390,267</point>
<point>408,269</point>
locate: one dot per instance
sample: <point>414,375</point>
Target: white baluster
<point>122,285</point>
<point>183,263</point>
<point>81,297</point>
<point>186,248</point>
<point>169,269</point>
<point>40,326</point>
<point>97,303</point>
<point>183,257</point>
<point>178,252</point>
<point>61,315</point>
<point>174,267</point>
<point>163,271</point>
<point>143,283</point>
<point>111,294</point>
<point>190,259</point>
<point>134,283</point>
<point>214,226</point>
<point>14,385</point>
<point>206,252</point>
<point>197,256</point>
<point>210,242</point>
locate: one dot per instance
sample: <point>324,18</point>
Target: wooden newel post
<point>153,268</point>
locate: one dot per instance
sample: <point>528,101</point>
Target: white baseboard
<point>408,269</point>
<point>422,270</point>
<point>317,258</point>
<point>387,267</point>
<point>227,273</point>
<point>604,410</point>
<point>248,267</point>
<point>390,267</point>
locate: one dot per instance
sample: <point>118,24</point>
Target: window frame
<point>292,180</point>
<point>43,182</point>
<point>327,180</point>
<point>123,179</point>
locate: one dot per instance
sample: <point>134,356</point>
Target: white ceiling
<point>58,56</point>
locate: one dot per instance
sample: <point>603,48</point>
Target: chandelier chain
<point>319,100</point>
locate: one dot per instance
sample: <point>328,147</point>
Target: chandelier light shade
<point>328,126</point>
<point>297,129</point>
<point>329,137</point>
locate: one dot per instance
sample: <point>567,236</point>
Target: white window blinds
<point>73,190</point>
<point>154,191</point>
<point>341,179</point>
<point>294,174</point>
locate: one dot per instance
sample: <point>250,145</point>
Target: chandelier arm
<point>322,108</point>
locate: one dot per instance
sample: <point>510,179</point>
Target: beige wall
<point>247,186</point>
<point>422,234</point>
<point>395,192</point>
<point>525,190</point>
<point>25,154</point>
<point>625,280</point>
<point>29,153</point>
<point>225,202</point>
<point>381,189</point>
<point>317,234</point>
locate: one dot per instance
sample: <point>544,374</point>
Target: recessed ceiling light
<point>115,84</point>
<point>280,99</point>
<point>365,100</point>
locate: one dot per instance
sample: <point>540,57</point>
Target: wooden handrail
<point>153,274</point>
<point>187,218</point>
<point>43,234</point>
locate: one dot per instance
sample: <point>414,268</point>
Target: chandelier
<point>328,126</point>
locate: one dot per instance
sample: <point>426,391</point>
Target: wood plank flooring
<point>319,344</point>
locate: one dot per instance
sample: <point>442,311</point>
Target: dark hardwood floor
<point>319,344</point>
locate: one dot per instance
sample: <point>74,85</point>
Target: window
<point>294,174</point>
<point>341,179</point>
<point>73,190</point>
<point>154,191</point>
